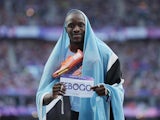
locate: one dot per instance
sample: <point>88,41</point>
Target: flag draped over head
<point>95,64</point>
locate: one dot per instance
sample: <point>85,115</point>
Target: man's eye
<point>81,25</point>
<point>70,25</point>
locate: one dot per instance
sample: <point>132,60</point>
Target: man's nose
<point>76,29</point>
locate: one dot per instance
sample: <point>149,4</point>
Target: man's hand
<point>58,89</point>
<point>100,90</point>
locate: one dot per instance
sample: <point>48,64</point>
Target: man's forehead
<point>75,16</point>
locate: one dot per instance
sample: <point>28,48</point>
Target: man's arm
<point>47,99</point>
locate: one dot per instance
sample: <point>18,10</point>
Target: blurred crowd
<point>140,69</point>
<point>140,66</point>
<point>23,61</point>
<point>22,64</point>
<point>102,13</point>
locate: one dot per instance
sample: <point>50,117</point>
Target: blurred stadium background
<point>29,30</point>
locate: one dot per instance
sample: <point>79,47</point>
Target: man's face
<point>75,27</point>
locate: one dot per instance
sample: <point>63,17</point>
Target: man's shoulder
<point>105,49</point>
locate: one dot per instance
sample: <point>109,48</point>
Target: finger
<point>101,93</point>
<point>55,90</point>
<point>57,86</point>
<point>63,89</point>
<point>100,89</point>
<point>101,85</point>
<point>97,86</point>
<point>56,93</point>
<point>94,87</point>
<point>60,93</point>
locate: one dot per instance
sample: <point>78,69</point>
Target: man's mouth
<point>77,36</point>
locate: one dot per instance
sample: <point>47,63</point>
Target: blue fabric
<point>95,62</point>
<point>75,103</point>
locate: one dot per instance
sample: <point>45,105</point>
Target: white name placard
<point>77,86</point>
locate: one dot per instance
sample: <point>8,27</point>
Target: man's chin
<point>77,41</point>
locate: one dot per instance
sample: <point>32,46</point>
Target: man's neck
<point>75,47</point>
